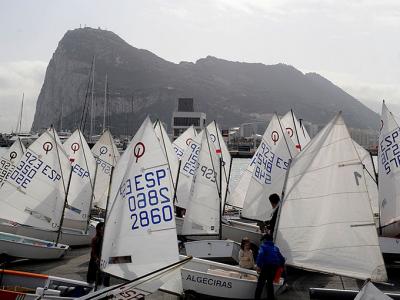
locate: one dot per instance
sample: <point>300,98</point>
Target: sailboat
<point>9,159</point>
<point>182,142</point>
<point>140,225</point>
<point>33,197</point>
<point>296,130</point>
<point>80,192</point>
<point>326,222</point>
<point>263,176</point>
<point>106,155</point>
<point>215,136</point>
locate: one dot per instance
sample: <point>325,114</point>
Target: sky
<point>353,43</point>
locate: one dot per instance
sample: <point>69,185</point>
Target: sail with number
<point>9,159</point>
<point>296,130</point>
<point>326,222</point>
<point>34,193</point>
<point>168,150</point>
<point>106,155</point>
<point>389,173</point>
<point>222,151</point>
<point>80,191</point>
<point>182,142</point>
<point>187,170</point>
<point>140,226</point>
<point>203,208</point>
<point>268,168</point>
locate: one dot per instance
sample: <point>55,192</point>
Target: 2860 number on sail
<point>148,198</point>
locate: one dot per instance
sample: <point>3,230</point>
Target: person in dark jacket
<point>269,225</point>
<point>268,261</point>
<point>94,274</point>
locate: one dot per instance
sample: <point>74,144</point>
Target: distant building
<point>250,129</point>
<point>367,138</point>
<point>186,117</point>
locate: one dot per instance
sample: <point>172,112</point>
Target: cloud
<point>16,78</point>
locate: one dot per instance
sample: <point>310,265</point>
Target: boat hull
<point>68,237</point>
<point>24,247</point>
<point>219,280</point>
<point>216,250</point>
<point>24,285</point>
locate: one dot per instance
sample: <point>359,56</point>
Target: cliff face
<point>141,83</point>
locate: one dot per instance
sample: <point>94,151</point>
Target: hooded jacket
<point>269,254</point>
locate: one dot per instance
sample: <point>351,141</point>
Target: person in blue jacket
<point>269,259</point>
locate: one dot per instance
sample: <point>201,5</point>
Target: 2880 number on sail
<point>148,198</point>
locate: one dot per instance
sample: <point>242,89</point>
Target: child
<point>269,259</point>
<point>246,258</point>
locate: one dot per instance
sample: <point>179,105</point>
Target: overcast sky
<point>355,44</point>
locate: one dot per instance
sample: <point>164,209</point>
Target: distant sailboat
<point>296,131</point>
<point>106,155</point>
<point>182,142</point>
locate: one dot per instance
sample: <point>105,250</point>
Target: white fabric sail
<point>9,159</point>
<point>168,150</point>
<point>222,151</point>
<point>187,170</point>
<point>370,292</point>
<point>106,155</point>
<point>268,168</point>
<point>182,142</point>
<point>296,131</point>
<point>140,227</point>
<point>203,208</point>
<point>80,191</point>
<point>34,193</point>
<point>326,222</point>
<point>389,168</point>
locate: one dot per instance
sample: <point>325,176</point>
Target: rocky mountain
<point>141,83</point>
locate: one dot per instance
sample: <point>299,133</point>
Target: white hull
<point>53,287</point>
<point>214,249</point>
<point>219,280</point>
<point>68,237</point>
<point>24,247</point>
<point>234,230</point>
<point>390,246</point>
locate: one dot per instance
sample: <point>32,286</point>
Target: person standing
<point>94,274</point>
<point>269,259</point>
<point>269,225</point>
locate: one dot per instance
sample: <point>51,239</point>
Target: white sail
<point>370,292</point>
<point>389,168</point>
<point>222,152</point>
<point>187,170</point>
<point>82,179</point>
<point>203,208</point>
<point>182,142</point>
<point>34,193</point>
<point>9,159</point>
<point>140,226</point>
<point>168,150</point>
<point>326,222</point>
<point>296,131</point>
<point>268,168</point>
<point>106,155</point>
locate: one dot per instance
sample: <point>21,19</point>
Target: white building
<point>186,117</point>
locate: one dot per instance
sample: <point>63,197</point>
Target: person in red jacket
<point>268,261</point>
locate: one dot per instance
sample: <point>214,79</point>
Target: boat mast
<point>19,121</point>
<point>284,136</point>
<point>295,128</point>
<point>105,105</point>
<point>92,102</point>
